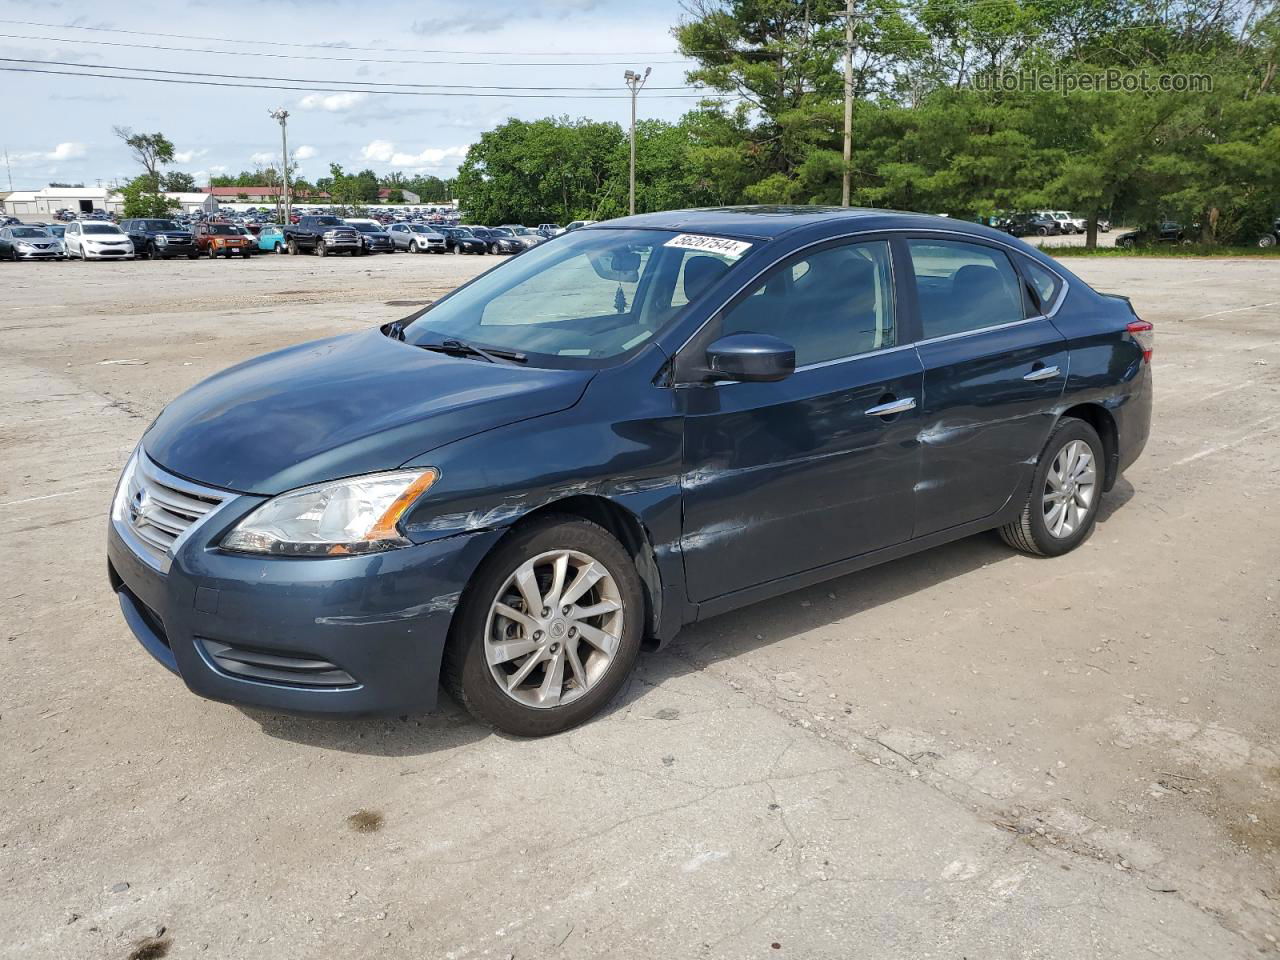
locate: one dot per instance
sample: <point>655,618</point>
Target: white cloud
<point>264,159</point>
<point>67,151</point>
<point>186,156</point>
<point>384,151</point>
<point>304,152</point>
<point>333,102</point>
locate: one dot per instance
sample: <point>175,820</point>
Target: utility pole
<point>8,168</point>
<point>848,102</point>
<point>635,81</point>
<point>282,115</point>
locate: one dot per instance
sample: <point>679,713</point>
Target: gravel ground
<point>967,753</point>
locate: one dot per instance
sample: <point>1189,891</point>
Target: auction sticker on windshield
<point>732,249</point>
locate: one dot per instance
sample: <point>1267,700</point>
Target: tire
<point>1042,231</point>
<point>1267,240</point>
<point>1127,243</point>
<point>149,252</point>
<point>467,672</point>
<point>457,249</point>
<point>244,254</point>
<point>1033,531</point>
<point>493,248</point>
<point>321,249</point>
<point>213,253</point>
<point>293,247</point>
<point>278,248</point>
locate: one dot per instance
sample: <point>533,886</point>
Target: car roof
<point>773,220</point>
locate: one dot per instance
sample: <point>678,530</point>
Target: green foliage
<point>152,150</point>
<point>142,198</point>
<point>927,134</point>
<point>179,182</point>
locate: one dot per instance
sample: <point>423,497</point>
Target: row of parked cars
<point>323,235</point>
<point>1046,223</point>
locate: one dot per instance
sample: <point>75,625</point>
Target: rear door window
<point>1045,284</point>
<point>963,286</point>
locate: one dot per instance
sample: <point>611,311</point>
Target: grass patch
<point>1165,250</point>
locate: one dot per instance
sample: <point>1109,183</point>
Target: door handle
<point>1044,373</point>
<point>892,407</point>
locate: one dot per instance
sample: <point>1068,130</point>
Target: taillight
<point>1145,334</point>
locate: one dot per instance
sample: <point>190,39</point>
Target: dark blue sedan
<point>640,424</point>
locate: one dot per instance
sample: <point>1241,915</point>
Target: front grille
<point>160,508</point>
<point>295,670</point>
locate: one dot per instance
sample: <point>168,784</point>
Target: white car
<point>95,240</point>
<point>578,225</point>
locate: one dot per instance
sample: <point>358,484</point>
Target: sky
<point>58,127</point>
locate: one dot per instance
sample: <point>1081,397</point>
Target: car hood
<point>348,405</point>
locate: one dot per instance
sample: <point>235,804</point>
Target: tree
<point>179,182</point>
<point>142,198</point>
<point>152,150</point>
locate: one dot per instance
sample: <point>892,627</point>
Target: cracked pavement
<point>967,753</point>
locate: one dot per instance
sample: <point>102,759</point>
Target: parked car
<point>1269,238</point>
<point>416,238</point>
<point>9,222</point>
<point>57,230</point>
<point>512,490</point>
<point>462,240</point>
<point>500,239</point>
<point>30,243</point>
<point>550,230</point>
<point>220,240</point>
<point>94,240</point>
<point>1166,231</point>
<point>1033,224</point>
<point>373,236</point>
<point>322,235</point>
<point>578,224</point>
<point>159,239</point>
<point>1066,223</point>
<point>530,238</point>
<point>271,238</point>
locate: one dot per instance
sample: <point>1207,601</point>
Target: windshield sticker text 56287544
<point>732,249</point>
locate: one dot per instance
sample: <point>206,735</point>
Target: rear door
<point>994,371</point>
<point>784,477</point>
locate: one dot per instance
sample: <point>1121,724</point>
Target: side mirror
<point>750,357</point>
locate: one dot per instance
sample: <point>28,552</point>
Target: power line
<point>389,93</point>
<point>329,59</point>
<point>311,80</point>
<point>331,46</point>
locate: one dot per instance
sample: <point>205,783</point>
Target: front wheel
<point>548,629</point>
<point>213,253</point>
<point>321,249</point>
<point>278,248</point>
<point>1062,504</point>
<point>1267,240</point>
<point>293,248</point>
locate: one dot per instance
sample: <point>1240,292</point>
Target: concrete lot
<point>968,753</point>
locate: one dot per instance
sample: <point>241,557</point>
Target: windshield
<point>100,228</point>
<point>462,232</point>
<point>523,231</point>
<point>590,296</point>
<point>329,221</point>
<point>501,231</point>
<point>367,227</point>
<point>158,225</point>
<point>223,230</point>
<point>29,232</point>
<point>418,228</point>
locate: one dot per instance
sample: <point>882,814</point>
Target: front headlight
<point>25,246</point>
<point>356,515</point>
<point>162,239</point>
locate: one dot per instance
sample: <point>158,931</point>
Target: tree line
<point>972,108</point>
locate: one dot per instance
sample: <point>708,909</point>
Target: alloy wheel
<point>1069,489</point>
<point>553,629</point>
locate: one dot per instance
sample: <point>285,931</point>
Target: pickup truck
<point>322,235</point>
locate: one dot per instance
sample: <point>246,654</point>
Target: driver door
<point>787,476</point>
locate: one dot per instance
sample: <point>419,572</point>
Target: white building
<point>45,203</point>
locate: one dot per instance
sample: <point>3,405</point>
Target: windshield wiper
<point>460,348</point>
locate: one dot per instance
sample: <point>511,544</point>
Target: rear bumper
<point>341,635</point>
<point>1133,419</point>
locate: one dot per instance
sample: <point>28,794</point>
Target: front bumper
<point>175,248</point>
<point>108,253</point>
<point>337,635</point>
<point>50,254</point>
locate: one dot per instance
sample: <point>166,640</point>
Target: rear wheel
<point>293,248</point>
<point>1267,240</point>
<point>549,629</point>
<point>1062,504</point>
<point>278,248</point>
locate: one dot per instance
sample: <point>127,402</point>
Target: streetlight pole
<point>848,102</point>
<point>635,81</point>
<point>283,116</point>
